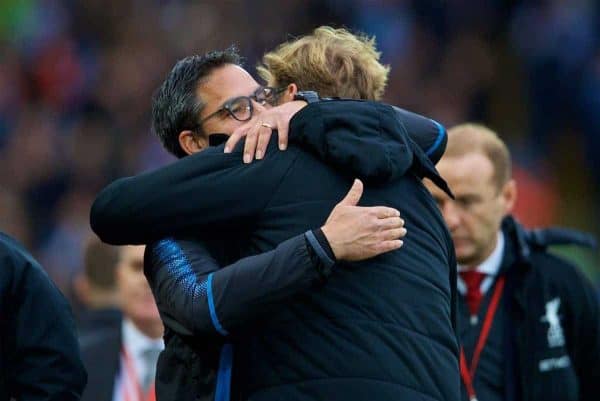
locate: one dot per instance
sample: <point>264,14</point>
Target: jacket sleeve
<point>370,140</point>
<point>207,192</point>
<point>48,365</point>
<point>366,119</point>
<point>197,297</point>
<point>587,344</point>
<point>428,134</point>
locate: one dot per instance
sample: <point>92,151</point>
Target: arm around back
<point>206,192</point>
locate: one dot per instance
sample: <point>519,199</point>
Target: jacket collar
<point>516,262</point>
<point>518,250</point>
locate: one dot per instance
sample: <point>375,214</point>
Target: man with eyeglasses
<point>239,108</point>
<point>358,330</point>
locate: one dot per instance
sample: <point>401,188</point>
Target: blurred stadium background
<point>76,79</point>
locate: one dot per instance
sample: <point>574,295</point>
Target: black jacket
<point>92,320</point>
<point>379,329</point>
<point>39,353</point>
<point>100,352</point>
<point>535,368</point>
<point>178,271</point>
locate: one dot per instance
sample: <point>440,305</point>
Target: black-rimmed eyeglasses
<point>241,107</point>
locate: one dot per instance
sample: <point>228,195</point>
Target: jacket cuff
<point>321,252</point>
<point>320,236</point>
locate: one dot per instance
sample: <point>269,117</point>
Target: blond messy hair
<point>332,62</point>
<point>469,138</point>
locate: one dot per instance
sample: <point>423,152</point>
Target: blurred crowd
<point>76,80</point>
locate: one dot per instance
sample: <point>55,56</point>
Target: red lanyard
<point>468,374</point>
<point>131,380</point>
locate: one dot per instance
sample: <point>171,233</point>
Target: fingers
<point>251,140</point>
<point>387,246</point>
<point>282,132</point>
<point>354,194</point>
<point>257,139</point>
<point>383,212</point>
<point>390,223</point>
<point>234,138</point>
<point>264,136</point>
<point>258,136</point>
<point>394,234</point>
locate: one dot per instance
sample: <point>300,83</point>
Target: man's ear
<point>509,195</point>
<point>289,93</point>
<point>191,142</point>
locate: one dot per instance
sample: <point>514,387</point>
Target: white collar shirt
<point>135,343</point>
<point>490,267</point>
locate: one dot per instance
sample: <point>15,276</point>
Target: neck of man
<point>474,264</point>
<point>150,328</point>
<point>103,300</point>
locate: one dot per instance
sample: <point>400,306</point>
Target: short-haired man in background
<point>529,320</point>
<point>96,288</point>
<point>121,359</point>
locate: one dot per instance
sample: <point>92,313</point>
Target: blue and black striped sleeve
<point>196,296</point>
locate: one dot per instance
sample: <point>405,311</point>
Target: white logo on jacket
<point>556,337</point>
<point>546,365</point>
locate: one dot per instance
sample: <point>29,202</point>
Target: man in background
<point>121,359</point>
<point>529,320</point>
<point>96,288</point>
<point>39,354</point>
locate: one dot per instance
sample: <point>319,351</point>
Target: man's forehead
<point>467,173</point>
<point>225,83</point>
<point>475,167</point>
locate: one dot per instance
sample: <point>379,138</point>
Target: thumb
<point>353,196</point>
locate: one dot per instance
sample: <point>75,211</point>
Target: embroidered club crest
<point>556,337</point>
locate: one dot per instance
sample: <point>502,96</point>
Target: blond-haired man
<point>529,321</point>
<point>332,62</point>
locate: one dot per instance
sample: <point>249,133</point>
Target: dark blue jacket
<point>379,329</point>
<point>39,352</point>
<point>536,367</point>
<point>101,355</point>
